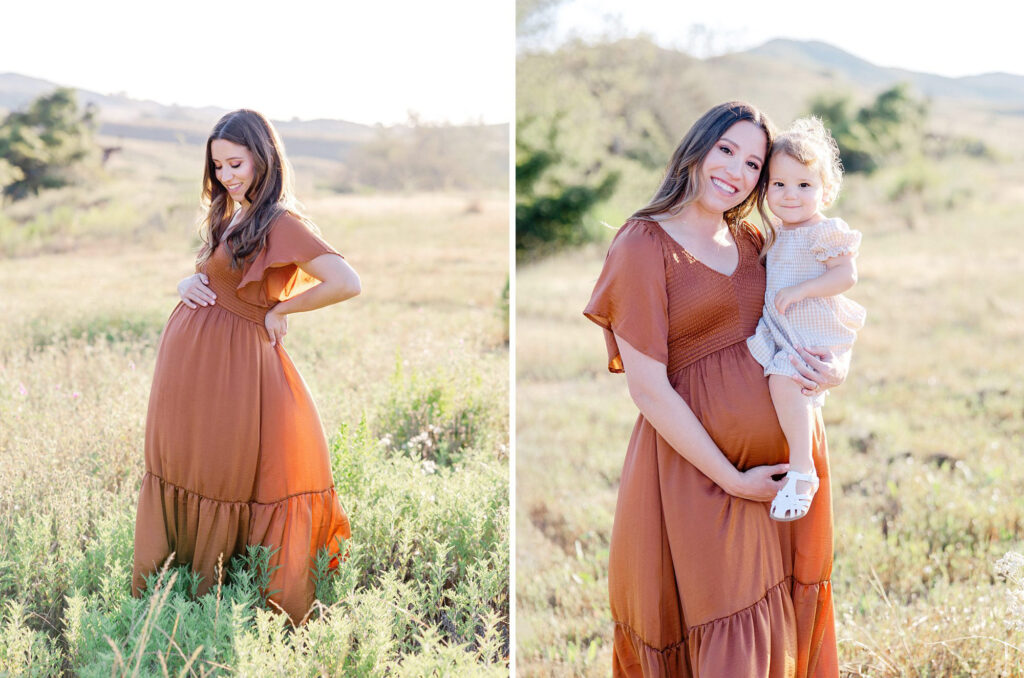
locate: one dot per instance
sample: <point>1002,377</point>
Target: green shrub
<point>433,418</point>
<point>25,651</point>
<point>549,212</point>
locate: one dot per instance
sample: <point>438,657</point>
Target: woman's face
<point>732,167</point>
<point>235,167</point>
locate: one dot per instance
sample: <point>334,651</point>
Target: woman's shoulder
<point>637,235</point>
<point>289,226</point>
<point>288,220</point>
<point>751,233</point>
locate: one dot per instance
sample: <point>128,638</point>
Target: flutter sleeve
<point>630,299</point>
<point>273,275</point>
<point>834,238</point>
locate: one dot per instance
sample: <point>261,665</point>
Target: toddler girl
<point>810,263</point>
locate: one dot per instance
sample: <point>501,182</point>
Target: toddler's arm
<point>840,276</point>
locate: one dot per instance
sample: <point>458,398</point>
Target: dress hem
<point>690,630</point>
<point>180,488</point>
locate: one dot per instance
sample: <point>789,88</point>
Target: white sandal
<point>792,505</point>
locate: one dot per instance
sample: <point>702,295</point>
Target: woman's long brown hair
<point>682,182</point>
<point>269,195</point>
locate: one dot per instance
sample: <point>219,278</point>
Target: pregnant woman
<point>702,581</point>
<point>235,452</point>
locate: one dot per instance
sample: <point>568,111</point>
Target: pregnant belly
<point>728,393</point>
<point>203,422</point>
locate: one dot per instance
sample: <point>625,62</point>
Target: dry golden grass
<point>924,440</point>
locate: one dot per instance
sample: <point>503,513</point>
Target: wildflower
<point>131,364</point>
<point>1010,565</point>
<point>21,389</point>
<point>76,395</point>
<point>1011,568</point>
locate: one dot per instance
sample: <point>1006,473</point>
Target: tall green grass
<point>425,585</point>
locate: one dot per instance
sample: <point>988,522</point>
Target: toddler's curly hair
<point>809,142</point>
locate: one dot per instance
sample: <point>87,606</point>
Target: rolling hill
<point>479,152</point>
<point>999,89</point>
<point>988,106</point>
<point>122,117</point>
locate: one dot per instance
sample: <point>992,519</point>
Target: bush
<point>40,147</point>
<point>433,419</point>
<point>891,126</point>
<point>550,218</point>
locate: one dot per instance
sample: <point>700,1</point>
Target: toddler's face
<point>794,191</point>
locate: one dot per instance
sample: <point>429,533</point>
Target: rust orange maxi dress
<point>702,583</point>
<point>235,451</point>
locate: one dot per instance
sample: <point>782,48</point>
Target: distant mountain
<point>820,55</point>
<point>456,156</point>
<point>124,117</point>
<point>18,90</point>
<point>1000,89</point>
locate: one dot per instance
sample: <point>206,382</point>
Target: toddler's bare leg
<point>796,416</point>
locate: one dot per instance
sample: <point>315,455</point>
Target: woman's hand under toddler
<point>820,369</point>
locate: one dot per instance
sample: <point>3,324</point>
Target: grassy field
<point>411,379</point>
<point>924,438</point>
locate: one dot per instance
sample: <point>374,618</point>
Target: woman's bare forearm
<point>674,421</point>
<point>338,283</point>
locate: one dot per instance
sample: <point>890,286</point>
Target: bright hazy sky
<point>365,61</point>
<point>963,38</point>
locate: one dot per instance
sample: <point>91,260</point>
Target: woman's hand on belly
<point>756,484</point>
<point>194,292</point>
<point>674,421</point>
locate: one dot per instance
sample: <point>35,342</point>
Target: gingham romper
<point>797,255</point>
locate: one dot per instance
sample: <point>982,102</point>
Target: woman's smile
<point>726,188</point>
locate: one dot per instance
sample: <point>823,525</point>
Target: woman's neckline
<point>693,257</point>
<point>235,218</point>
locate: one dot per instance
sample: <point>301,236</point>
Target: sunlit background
<point>365,62</point>
<point>964,39</point>
<point>924,438</point>
<point>395,117</point>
